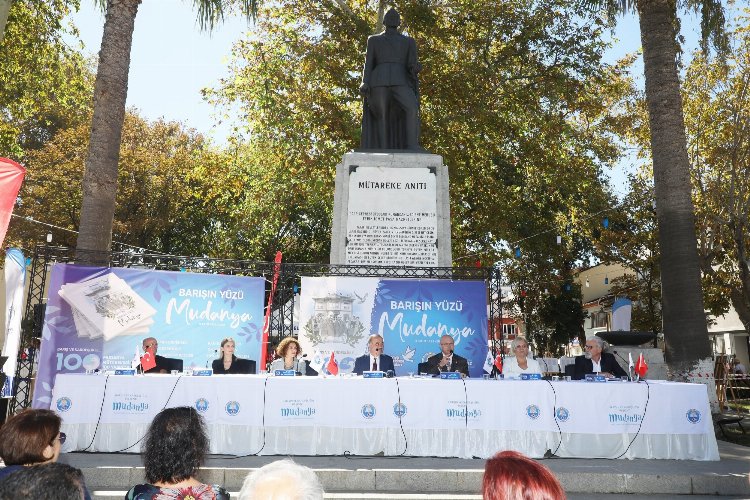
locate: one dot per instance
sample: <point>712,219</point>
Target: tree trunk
<point>110,91</point>
<point>4,11</point>
<point>688,351</point>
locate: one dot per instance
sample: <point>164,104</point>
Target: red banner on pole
<point>269,306</point>
<point>11,178</point>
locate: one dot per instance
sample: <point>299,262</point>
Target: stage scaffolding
<point>282,321</point>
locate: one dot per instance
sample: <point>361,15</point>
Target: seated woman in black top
<point>228,363</point>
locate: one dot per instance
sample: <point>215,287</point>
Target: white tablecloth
<point>252,414</point>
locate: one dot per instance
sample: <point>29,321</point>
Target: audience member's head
<point>282,480</point>
<point>52,481</point>
<point>509,475</point>
<point>175,446</point>
<point>31,437</point>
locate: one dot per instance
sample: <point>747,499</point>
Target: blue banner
<point>96,318</point>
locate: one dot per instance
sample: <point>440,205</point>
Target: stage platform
<point>400,478</point>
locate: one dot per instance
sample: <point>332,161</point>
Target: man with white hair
<point>282,480</point>
<point>595,360</point>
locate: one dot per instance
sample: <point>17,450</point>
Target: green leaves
<point>45,85</point>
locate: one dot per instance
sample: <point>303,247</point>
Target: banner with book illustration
<point>338,314</point>
<point>97,317</point>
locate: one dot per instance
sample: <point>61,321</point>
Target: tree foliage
<point>717,112</point>
<point>631,240</point>
<point>45,84</point>
<point>514,96</point>
<point>163,176</point>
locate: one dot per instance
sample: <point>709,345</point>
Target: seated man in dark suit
<point>446,360</point>
<point>163,365</point>
<point>597,361</point>
<point>375,361</point>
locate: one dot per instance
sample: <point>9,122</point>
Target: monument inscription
<point>392,217</point>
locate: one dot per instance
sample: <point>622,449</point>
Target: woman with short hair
<point>175,446</point>
<point>28,438</point>
<point>31,438</point>
<point>287,352</point>
<point>521,361</point>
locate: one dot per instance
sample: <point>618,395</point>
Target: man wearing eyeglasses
<point>375,360</point>
<point>446,360</point>
<point>163,365</point>
<point>595,360</point>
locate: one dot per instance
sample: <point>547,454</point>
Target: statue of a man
<point>390,118</point>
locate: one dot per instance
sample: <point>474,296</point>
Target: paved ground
<point>404,478</point>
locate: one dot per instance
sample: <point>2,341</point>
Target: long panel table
<point>254,414</point>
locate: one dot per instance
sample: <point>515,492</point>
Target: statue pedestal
<point>391,209</point>
<point>657,367</point>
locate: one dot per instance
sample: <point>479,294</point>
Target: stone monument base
<point>391,209</point>
<point>654,357</point>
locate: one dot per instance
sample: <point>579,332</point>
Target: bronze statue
<point>390,116</point>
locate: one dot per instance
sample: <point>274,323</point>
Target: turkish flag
<point>499,363</point>
<point>641,368</point>
<point>333,367</point>
<point>148,361</point>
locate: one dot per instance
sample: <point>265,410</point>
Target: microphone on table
<point>207,359</point>
<point>389,374</point>
<point>300,361</point>
<point>546,366</point>
<point>624,361</point>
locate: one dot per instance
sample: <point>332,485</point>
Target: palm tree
<point>688,350</point>
<point>110,92</point>
<point>4,11</point>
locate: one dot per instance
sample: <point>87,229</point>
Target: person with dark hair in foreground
<point>175,446</point>
<point>29,439</point>
<point>509,475</point>
<point>50,481</point>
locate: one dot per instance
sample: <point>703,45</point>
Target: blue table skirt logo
<point>201,405</point>
<point>63,404</point>
<point>232,408</point>
<point>562,414</point>
<point>693,416</point>
<point>368,411</point>
<point>533,412</point>
<point>399,409</point>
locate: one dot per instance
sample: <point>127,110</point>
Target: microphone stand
<point>630,375</point>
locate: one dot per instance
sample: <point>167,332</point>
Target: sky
<point>172,60</point>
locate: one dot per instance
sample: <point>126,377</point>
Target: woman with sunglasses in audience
<point>29,438</point>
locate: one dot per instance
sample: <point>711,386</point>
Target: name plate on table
<point>373,375</point>
<point>284,373</point>
<point>124,372</point>
<point>202,373</point>
<point>450,375</point>
<point>595,377</point>
<point>531,376</point>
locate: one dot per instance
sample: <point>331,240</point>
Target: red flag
<point>148,360</point>
<point>267,318</point>
<point>11,177</point>
<point>333,367</point>
<point>499,363</point>
<point>641,368</point>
